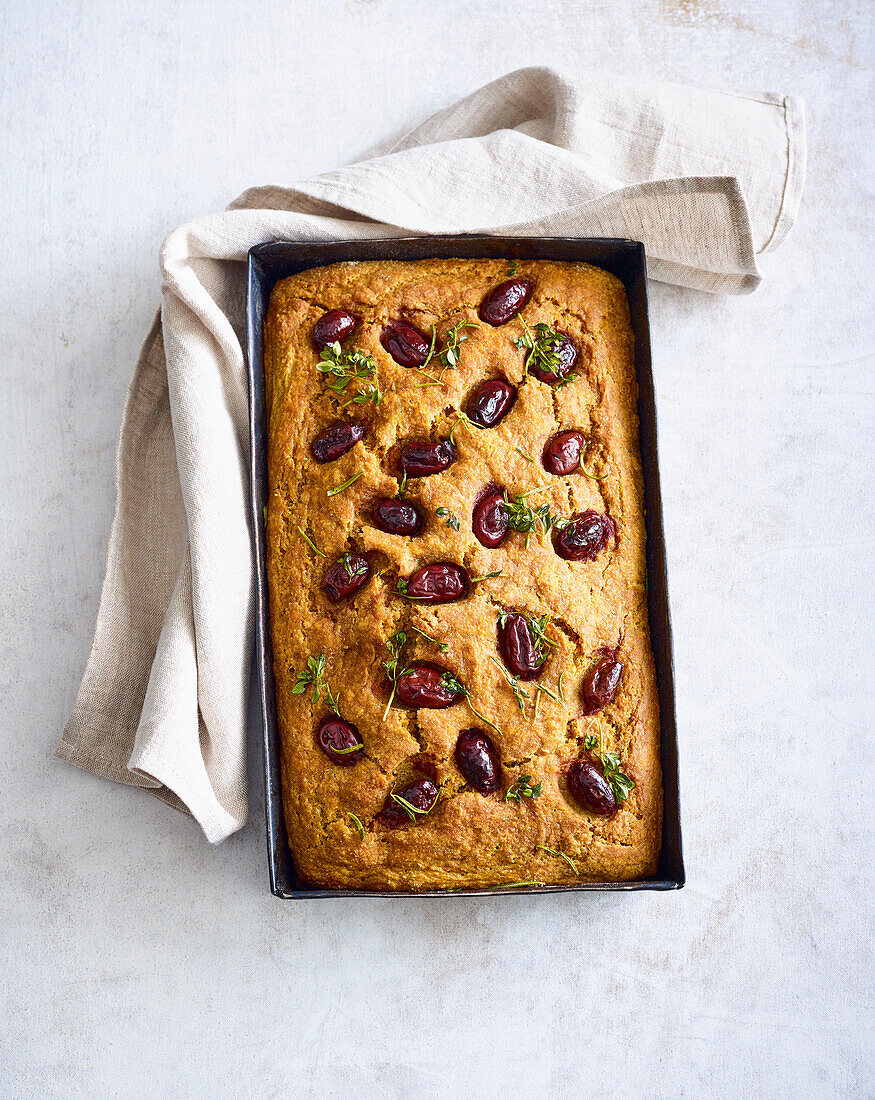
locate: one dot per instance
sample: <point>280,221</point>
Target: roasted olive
<point>517,648</point>
<point>424,459</point>
<point>348,574</point>
<point>339,740</point>
<point>335,325</point>
<point>585,535</point>
<point>398,517</point>
<point>336,440</point>
<point>601,682</point>
<point>590,789</point>
<point>562,452</point>
<point>505,301</point>
<point>404,343</point>
<point>488,521</point>
<point>490,402</point>
<point>478,761</point>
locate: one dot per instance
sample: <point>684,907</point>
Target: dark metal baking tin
<point>269,263</point>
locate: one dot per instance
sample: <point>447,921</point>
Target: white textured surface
<point>138,961</point>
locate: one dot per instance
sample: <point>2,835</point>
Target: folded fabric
<point>707,180</point>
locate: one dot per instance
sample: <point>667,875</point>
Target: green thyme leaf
<point>310,542</point>
<point>449,357</point>
<point>543,345</point>
<point>313,675</point>
<point>346,484</point>
<point>348,750</point>
<point>523,454</point>
<point>442,646</point>
<point>343,367</point>
<point>523,788</point>
<point>559,855</point>
<point>394,666</point>
<point>513,267</point>
<point>351,571</point>
<point>452,520</point>
<point>360,829</point>
<point>514,682</point>
<point>264,512</point>
<point>547,691</point>
<point>621,784</point>
<point>486,577</point>
<point>462,418</point>
<point>537,632</point>
<point>450,682</point>
<point>410,809</point>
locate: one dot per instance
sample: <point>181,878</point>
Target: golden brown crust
<point>468,840</point>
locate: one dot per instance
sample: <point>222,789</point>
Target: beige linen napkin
<point>707,180</point>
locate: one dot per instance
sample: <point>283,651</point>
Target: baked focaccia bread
<point>455,534</point>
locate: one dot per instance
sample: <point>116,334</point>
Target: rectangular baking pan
<point>268,263</point>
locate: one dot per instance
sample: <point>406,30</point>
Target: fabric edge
<point>794,182</point>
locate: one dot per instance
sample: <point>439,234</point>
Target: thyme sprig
<point>537,631</point>
<point>450,518</point>
<point>310,543</point>
<point>450,682</point>
<point>442,646</point>
<point>543,344</point>
<point>514,682</point>
<point>343,367</point>
<point>352,571</point>
<point>486,577</point>
<point>523,788</point>
<point>559,855</point>
<point>621,784</point>
<point>394,666</point>
<point>523,454</point>
<point>360,829</point>
<point>521,517</point>
<point>314,675</point>
<point>409,808</point>
<point>345,485</point>
<point>513,267</point>
<point>449,357</point>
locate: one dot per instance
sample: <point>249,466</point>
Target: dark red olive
<point>590,789</point>
<point>398,517</point>
<point>517,648</point>
<point>348,574</point>
<point>491,402</point>
<point>562,452</point>
<point>333,734</point>
<point>505,301</point>
<point>336,324</point>
<point>586,534</point>
<point>405,344</point>
<point>478,761</point>
<point>488,521</point>
<point>601,682</point>
<point>336,440</point>
<point>424,459</point>
<point>424,685</point>
<point>441,582</point>
<point>565,351</point>
<point>421,794</point>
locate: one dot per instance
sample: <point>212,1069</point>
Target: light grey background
<point>138,961</point>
